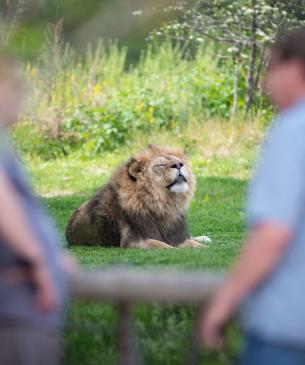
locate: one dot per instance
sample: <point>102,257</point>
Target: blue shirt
<point>17,301</point>
<point>276,309</point>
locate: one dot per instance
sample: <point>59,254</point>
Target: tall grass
<point>95,103</point>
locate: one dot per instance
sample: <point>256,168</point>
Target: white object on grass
<point>203,239</point>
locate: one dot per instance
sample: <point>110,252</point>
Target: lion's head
<point>164,168</point>
<point>157,179</point>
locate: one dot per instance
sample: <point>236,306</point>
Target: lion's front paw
<point>192,244</point>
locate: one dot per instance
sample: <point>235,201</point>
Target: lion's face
<point>164,168</point>
<point>170,172</point>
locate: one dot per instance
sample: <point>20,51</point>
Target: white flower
<point>137,13</point>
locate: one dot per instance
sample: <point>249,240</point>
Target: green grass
<point>221,156</point>
<point>162,332</point>
<point>216,212</point>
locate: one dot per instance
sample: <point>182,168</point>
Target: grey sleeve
<point>278,189</point>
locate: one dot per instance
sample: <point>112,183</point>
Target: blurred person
<point>267,281</point>
<point>33,287</point>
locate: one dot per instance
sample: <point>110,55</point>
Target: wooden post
<point>126,336</point>
<point>145,286</point>
<point>192,356</point>
<point>126,286</point>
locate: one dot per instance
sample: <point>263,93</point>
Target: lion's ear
<point>134,167</point>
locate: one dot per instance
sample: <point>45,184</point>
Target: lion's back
<point>95,222</point>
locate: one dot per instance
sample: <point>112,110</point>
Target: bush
<point>97,103</point>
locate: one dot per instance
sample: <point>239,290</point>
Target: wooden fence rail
<point>125,287</point>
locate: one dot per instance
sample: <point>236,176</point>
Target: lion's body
<point>139,206</point>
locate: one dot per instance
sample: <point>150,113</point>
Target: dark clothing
<point>259,352</point>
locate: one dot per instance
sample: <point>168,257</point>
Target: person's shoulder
<point>288,131</point>
<point>290,124</point>
<point>293,119</point>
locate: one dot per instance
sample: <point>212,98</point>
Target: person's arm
<point>263,250</point>
<point>15,229</point>
<point>274,207</point>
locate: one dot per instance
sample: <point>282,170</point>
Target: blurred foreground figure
<point>32,278</point>
<point>268,279</point>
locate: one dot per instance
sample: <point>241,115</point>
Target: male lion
<point>143,205</point>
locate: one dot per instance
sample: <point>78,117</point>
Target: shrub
<point>95,103</point>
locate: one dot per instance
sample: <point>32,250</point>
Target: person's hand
<point>46,296</point>
<point>213,322</point>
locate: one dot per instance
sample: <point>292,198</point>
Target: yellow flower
<point>33,71</point>
<point>151,110</point>
<point>97,89</point>
<point>140,106</point>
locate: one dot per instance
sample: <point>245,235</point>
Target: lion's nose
<point>177,166</point>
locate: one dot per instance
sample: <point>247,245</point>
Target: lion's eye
<point>161,165</point>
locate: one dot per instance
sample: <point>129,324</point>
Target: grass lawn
<point>162,331</point>
<point>221,159</point>
<point>216,212</point>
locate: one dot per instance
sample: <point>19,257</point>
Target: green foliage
<point>23,23</point>
<point>97,130</point>
<point>242,31</point>
<point>94,104</point>
<point>229,23</point>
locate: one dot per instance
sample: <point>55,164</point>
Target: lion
<point>143,205</point>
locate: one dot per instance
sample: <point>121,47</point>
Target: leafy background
<point>104,79</point>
